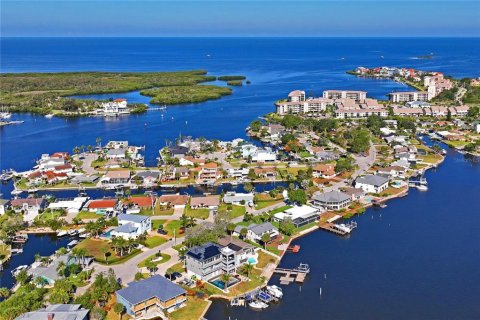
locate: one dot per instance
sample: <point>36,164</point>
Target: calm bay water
<point>419,258</point>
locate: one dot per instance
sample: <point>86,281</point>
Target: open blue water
<point>419,258</point>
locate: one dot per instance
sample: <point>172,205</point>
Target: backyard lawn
<point>264,259</point>
<point>264,200</point>
<point>193,310</point>
<point>172,225</point>
<point>88,215</point>
<point>197,213</point>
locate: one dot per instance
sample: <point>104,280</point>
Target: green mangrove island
<point>49,92</point>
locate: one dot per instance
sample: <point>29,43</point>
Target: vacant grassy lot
<point>95,249</point>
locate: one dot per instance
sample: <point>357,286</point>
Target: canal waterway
<point>418,258</point>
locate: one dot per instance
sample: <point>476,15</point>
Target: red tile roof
<point>102,203</point>
<point>140,201</point>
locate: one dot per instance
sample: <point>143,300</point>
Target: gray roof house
<point>332,200</point>
<point>256,231</point>
<point>132,225</point>
<point>57,312</point>
<point>372,183</point>
<point>154,293</point>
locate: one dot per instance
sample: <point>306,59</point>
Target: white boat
<point>5,115</point>
<point>275,291</point>
<point>72,232</point>
<point>16,192</point>
<point>422,187</point>
<point>62,233</point>
<point>49,116</point>
<point>32,190</point>
<point>259,305</point>
<point>17,270</point>
<point>444,151</point>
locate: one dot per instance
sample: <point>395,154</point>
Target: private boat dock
<point>289,275</point>
<point>340,229</point>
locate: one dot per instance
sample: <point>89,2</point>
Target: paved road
<point>87,163</point>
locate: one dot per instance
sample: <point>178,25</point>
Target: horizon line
<point>246,36</point>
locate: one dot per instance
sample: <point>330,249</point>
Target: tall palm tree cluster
<point>122,246</point>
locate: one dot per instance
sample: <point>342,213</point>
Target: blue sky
<point>240,18</point>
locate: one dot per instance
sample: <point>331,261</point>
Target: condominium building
<point>344,94</point>
<point>408,96</point>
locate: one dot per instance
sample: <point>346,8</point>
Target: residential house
<point>69,206</point>
<point>119,177</point>
<point>237,173</point>
<point>57,312</point>
<point>142,202</point>
<point>147,178</point>
<point>173,200</point>
<point>265,172</point>
<point>332,200</point>
<point>177,151</point>
<point>102,206</point>
<point>155,293</point>
<point>326,171</point>
<point>208,172</point>
<point>393,171</point>
<point>211,260</point>
<point>263,156</point>
<point>191,161</point>
<point>372,183</point>
<point>130,226</point>
<point>119,153</point>
<point>299,215</point>
<point>210,202</point>
<point>233,197</point>
<point>355,194</point>
<point>30,207</point>
<point>49,273</point>
<point>256,231</point>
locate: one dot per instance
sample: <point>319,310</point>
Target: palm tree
<point>243,232</point>
<point>265,239</point>
<point>90,148</point>
<point>248,268</point>
<point>119,309</point>
<point>4,292</point>
<point>76,150</point>
<point>231,228</point>
<point>105,252</point>
<point>61,268</point>
<point>226,279</point>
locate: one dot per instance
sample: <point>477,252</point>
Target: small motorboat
<point>33,190</point>
<point>258,305</point>
<point>17,270</point>
<point>422,187</point>
<point>62,233</point>
<point>49,116</point>
<point>275,291</point>
<point>16,192</point>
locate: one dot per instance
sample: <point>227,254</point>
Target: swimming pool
<point>252,260</point>
<point>221,284</point>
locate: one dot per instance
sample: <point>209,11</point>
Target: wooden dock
<point>330,227</point>
<point>290,275</point>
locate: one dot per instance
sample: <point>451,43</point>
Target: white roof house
<point>237,198</point>
<point>299,215</point>
<point>71,206</point>
<point>264,156</point>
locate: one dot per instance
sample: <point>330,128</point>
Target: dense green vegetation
<point>40,92</point>
<point>185,94</point>
<point>472,96</point>
<point>26,298</point>
<point>231,78</point>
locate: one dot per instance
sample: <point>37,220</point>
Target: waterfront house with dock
<point>233,197</point>
<point>210,202</point>
<point>173,200</point>
<point>332,200</point>
<point>102,205</point>
<point>30,207</point>
<point>299,215</point>
<point>151,297</point>
<point>372,183</point>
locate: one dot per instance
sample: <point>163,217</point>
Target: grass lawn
<point>88,215</point>
<point>172,225</point>
<point>456,143</point>
<point>4,252</point>
<point>431,158</point>
<point>165,258</point>
<point>245,286</point>
<point>281,209</point>
<point>305,227</point>
<point>263,200</point>
<point>157,223</point>
<point>50,215</point>
<point>193,310</point>
<point>154,241</point>
<point>264,259</point>
<point>237,211</point>
<point>94,249</point>
<point>197,213</point>
<point>177,267</point>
